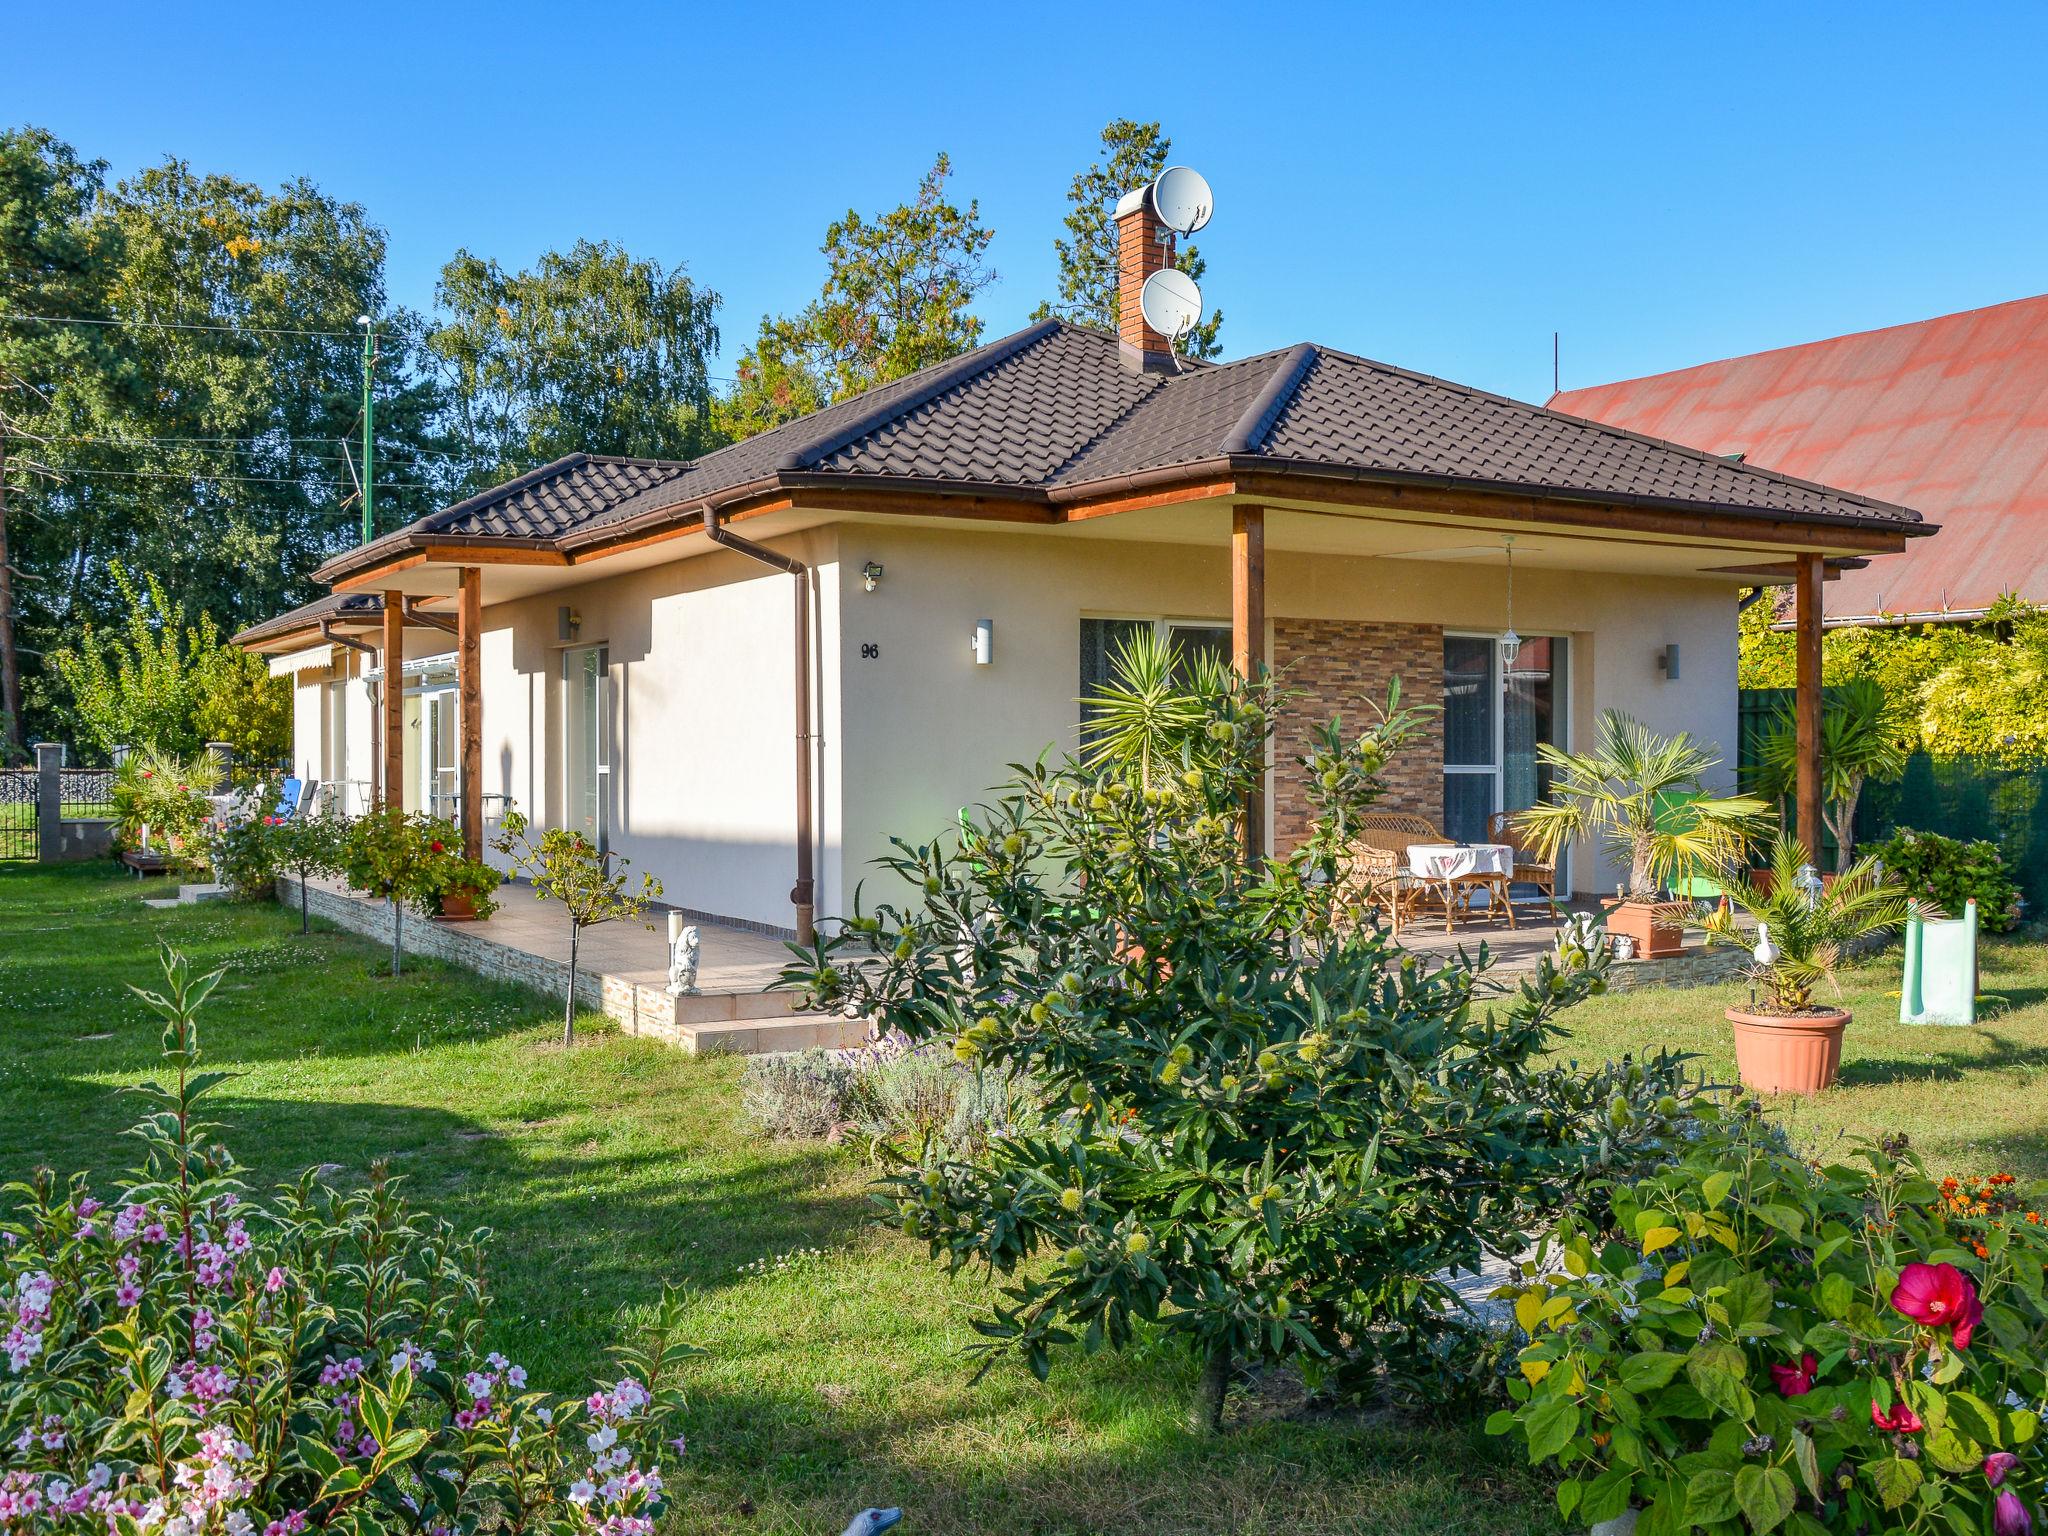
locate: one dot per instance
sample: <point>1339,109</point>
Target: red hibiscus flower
<point>1939,1296</point>
<point>1795,1380</point>
<point>439,849</point>
<point>1901,1420</point>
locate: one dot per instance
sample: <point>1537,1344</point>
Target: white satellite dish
<point>1182,199</point>
<point>1170,302</point>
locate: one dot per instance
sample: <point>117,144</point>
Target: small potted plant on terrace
<point>1787,1041</point>
<point>459,887</point>
<point>1643,797</point>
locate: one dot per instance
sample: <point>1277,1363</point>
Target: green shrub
<point>1257,1126</point>
<point>184,1357</point>
<point>243,851</point>
<point>399,856</point>
<point>167,795</point>
<point>1751,1341</point>
<point>1950,872</point>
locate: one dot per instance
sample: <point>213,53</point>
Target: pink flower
<point>2009,1516</point>
<point>1997,1464</point>
<point>1795,1380</point>
<point>1901,1420</point>
<point>1939,1296</point>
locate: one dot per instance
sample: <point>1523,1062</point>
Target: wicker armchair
<point>1529,870</point>
<point>1380,863</point>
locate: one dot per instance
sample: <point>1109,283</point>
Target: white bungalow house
<point>748,672</point>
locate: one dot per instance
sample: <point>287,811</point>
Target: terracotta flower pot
<point>458,907</point>
<point>1788,1053</point>
<point>1651,924</point>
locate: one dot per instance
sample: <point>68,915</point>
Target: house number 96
<point>870,651</point>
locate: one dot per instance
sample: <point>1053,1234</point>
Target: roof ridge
<point>1699,455</point>
<point>942,377</point>
<point>1272,399</point>
<point>498,492</point>
<point>1800,346</point>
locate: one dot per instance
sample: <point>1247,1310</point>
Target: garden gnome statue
<point>872,1522</point>
<point>684,943</point>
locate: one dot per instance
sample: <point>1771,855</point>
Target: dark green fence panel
<point>1757,709</point>
<point>1963,798</point>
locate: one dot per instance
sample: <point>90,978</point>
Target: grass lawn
<point>834,1378</point>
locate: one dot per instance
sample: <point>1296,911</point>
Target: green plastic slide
<point>1940,985</point>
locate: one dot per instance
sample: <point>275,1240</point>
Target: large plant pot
<point>1653,925</point>
<point>1788,1053</point>
<point>458,907</point>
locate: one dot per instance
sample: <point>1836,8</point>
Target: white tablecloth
<point>1450,861</point>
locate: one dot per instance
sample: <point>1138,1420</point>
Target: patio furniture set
<point>1408,869</point>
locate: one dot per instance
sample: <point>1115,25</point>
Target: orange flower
<point>1982,1251</point>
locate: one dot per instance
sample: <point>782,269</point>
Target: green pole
<point>369,431</point>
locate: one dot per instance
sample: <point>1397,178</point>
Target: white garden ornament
<point>685,944</point>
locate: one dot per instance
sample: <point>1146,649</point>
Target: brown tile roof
<point>335,605</point>
<point>1050,414</point>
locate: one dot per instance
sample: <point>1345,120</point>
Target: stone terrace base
<point>1522,948</point>
<point>622,969</point>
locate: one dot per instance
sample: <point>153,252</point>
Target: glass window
<point>1469,701</point>
<point>586,766</point>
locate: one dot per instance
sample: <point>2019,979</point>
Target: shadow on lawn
<point>1945,1066</point>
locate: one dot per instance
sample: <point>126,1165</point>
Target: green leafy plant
<point>186,1357</point>
<point>455,875</point>
<point>591,884</point>
<point>166,795</point>
<point>1809,933</point>
<point>1949,872</point>
<point>242,849</point>
<point>1151,717</point>
<point>304,846</point>
<point>1644,797</point>
<point>1863,731</point>
<point>1748,1342</point>
<point>1254,1125</point>
<point>401,857</point>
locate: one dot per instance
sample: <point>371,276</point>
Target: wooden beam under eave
<point>392,789</point>
<point>1807,629</point>
<point>469,625</point>
<point>1248,637</point>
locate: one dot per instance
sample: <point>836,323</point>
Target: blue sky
<point>1436,186</point>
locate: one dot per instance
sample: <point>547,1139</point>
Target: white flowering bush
<point>184,1359</point>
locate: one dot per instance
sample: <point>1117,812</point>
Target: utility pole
<point>10,663</point>
<point>369,428</point>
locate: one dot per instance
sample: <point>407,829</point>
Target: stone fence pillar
<point>49,800</point>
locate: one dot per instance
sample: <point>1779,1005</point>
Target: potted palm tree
<point>1642,797</point>
<point>1863,740</point>
<point>1788,1041</point>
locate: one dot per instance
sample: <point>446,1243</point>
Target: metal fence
<point>18,835</point>
<point>1960,798</point>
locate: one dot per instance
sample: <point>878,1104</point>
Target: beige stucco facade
<point>699,727</point>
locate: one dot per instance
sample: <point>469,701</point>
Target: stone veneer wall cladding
<point>1341,667</point>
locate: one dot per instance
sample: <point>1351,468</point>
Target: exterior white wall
<point>702,730</point>
<point>927,732</point>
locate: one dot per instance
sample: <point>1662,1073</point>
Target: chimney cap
<point>1134,200</point>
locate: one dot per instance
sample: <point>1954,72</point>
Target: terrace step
<point>192,895</point>
<point>790,1032</point>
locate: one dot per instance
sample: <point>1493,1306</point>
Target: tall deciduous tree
<point>896,298</point>
<point>591,350</point>
<point>1132,154</point>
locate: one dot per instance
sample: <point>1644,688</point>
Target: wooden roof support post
<point>392,789</point>
<point>1248,635</point>
<point>1807,648</point>
<point>469,623</point>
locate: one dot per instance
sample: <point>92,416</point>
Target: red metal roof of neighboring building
<point>1948,416</point>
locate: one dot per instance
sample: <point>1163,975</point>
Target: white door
<point>586,754</point>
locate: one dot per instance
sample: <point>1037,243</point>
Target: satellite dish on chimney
<point>1170,302</point>
<point>1182,199</point>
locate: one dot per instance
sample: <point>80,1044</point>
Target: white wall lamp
<point>984,642</point>
<point>1667,663</point>
<point>871,575</point>
<point>1510,643</point>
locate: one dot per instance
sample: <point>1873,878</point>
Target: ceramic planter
<point>1653,925</point>
<point>458,907</point>
<point>1788,1053</point>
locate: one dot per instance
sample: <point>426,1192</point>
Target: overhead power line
<point>201,474</point>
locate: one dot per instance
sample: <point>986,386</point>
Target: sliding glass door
<point>586,761</point>
<point>1495,718</point>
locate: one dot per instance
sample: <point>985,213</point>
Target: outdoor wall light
<point>1667,663</point>
<point>984,642</point>
<point>871,575</point>
<point>1510,643</point>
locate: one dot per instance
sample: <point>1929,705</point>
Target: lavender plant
<point>187,1360</point>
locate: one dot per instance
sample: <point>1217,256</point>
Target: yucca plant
<point>1155,713</point>
<point>1801,935</point>
<point>1644,797</point>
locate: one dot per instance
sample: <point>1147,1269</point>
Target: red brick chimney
<point>1139,253</point>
